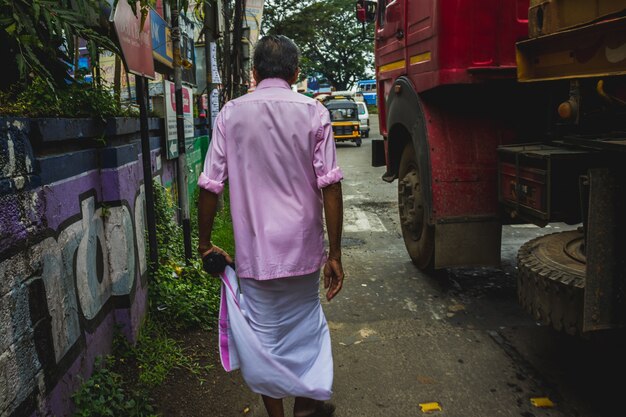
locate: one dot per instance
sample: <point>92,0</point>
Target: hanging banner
<point>252,20</point>
<point>253,17</point>
<point>215,72</point>
<point>215,105</point>
<point>135,40</point>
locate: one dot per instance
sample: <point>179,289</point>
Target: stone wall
<point>72,252</point>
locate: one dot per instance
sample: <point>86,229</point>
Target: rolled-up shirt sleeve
<point>325,155</point>
<point>215,170</point>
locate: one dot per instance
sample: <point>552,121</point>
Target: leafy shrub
<point>184,296</point>
<point>76,99</point>
<point>105,394</point>
<point>38,38</point>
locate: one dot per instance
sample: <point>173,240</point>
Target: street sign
<point>171,134</point>
<point>135,40</point>
<point>162,49</point>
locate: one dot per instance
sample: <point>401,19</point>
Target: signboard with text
<point>162,49</point>
<point>187,50</point>
<point>171,134</point>
<point>135,39</point>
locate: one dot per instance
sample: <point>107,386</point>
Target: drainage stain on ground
<point>348,242</point>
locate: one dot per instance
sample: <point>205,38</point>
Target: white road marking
<point>353,197</point>
<point>357,220</point>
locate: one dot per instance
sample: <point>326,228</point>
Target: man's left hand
<point>333,277</point>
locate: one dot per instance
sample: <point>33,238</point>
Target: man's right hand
<point>333,277</point>
<point>217,250</point>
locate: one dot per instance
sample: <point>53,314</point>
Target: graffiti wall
<point>72,253</point>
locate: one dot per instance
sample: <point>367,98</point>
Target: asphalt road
<point>402,338</point>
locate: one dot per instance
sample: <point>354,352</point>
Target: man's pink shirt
<point>276,149</point>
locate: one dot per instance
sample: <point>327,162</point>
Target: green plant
<point>182,295</point>
<point>143,366</point>
<point>155,354</point>
<point>222,233</point>
<point>77,99</point>
<point>106,394</point>
<point>40,37</point>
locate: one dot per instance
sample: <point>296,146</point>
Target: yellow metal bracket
<point>595,50</point>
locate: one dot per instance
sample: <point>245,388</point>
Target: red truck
<point>495,112</point>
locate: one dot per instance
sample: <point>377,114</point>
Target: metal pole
<point>227,84</point>
<point>208,38</point>
<point>183,198</point>
<point>140,90</point>
<point>210,28</point>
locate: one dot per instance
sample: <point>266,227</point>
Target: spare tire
<point>551,280</point>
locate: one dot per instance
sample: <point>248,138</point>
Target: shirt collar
<point>273,82</point>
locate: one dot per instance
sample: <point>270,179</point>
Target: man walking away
<point>275,148</point>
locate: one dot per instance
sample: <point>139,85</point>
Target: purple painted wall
<point>72,253</point>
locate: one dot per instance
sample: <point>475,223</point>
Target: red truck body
<point>487,119</point>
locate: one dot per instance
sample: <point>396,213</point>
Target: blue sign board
<point>162,50</point>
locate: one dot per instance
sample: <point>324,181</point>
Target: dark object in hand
<point>214,263</point>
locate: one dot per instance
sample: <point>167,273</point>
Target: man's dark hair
<point>276,56</point>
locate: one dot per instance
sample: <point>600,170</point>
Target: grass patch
<point>155,354</point>
<point>106,393</point>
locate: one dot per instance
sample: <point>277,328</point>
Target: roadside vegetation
<point>76,99</point>
<point>182,297</point>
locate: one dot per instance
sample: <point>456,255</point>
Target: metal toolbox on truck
<point>540,183</point>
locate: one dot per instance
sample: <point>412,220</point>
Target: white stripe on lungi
<point>275,331</point>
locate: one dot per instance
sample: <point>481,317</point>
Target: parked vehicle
<point>515,114</point>
<point>344,116</point>
<point>364,119</point>
<point>368,89</point>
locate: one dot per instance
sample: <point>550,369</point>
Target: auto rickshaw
<point>344,116</point>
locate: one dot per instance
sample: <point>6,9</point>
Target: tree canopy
<point>330,38</point>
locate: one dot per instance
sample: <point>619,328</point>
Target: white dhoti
<point>275,331</point>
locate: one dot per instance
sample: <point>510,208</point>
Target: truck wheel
<point>417,233</point>
<point>551,280</point>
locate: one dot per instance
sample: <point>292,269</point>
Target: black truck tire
<point>551,280</point>
<point>419,236</point>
